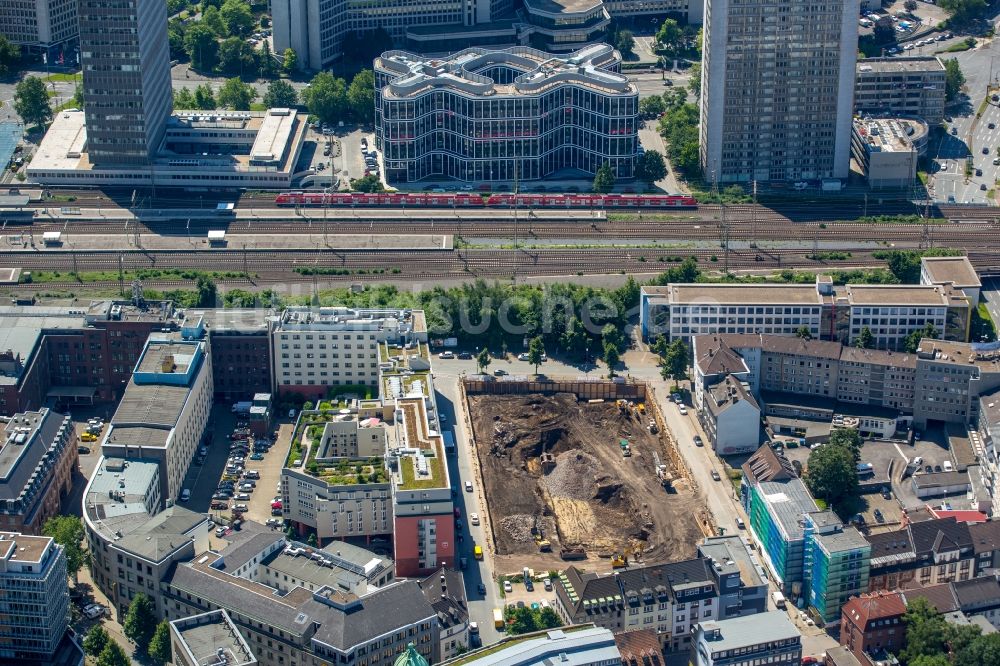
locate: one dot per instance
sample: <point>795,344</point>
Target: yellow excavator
<point>543,544</point>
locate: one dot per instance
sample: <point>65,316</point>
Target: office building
<point>777,89</point>
<point>810,553</point>
<point>48,27</point>
<point>314,349</point>
<point>326,624</point>
<point>133,540</point>
<point>165,409</point>
<point>77,354</point>
<point>955,272</point>
<point>887,150</point>
<point>873,622</point>
<point>260,149</point>
<point>35,598</point>
<point>767,638</point>
<point>582,645</point>
<point>828,312</point>
<point>38,455</point>
<point>669,598</point>
<point>504,115</point>
<point>901,86</point>
<point>125,57</point>
<point>566,25</point>
<point>209,638</point>
<point>930,552</point>
<point>240,340</point>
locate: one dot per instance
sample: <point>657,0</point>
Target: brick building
<point>872,623</point>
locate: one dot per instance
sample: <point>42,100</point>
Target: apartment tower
<point>777,89</point>
<point>125,58</point>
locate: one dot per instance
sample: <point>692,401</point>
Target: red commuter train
<point>473,200</point>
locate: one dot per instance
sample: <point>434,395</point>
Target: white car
<point>241,508</point>
<point>243,497</point>
<point>683,410</point>
<point>94,611</point>
<point>474,518</point>
<point>507,587</point>
<point>447,354</point>
<point>468,486</point>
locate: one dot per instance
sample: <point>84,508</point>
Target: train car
<point>473,200</point>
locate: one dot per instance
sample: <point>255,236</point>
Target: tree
<point>536,350</point>
<point>140,621</point>
<point>201,47</point>
<point>31,101</point>
<point>548,619</point>
<point>912,341</point>
<point>981,651</point>
<point>483,360</point>
<point>175,36</point>
<point>963,10</point>
<point>204,98</point>
<point>212,20</point>
<point>804,333</point>
<point>237,57</point>
<point>910,5</point>
<point>266,65</point>
<point>832,474</point>
<point>669,35</point>
<point>67,531</point>
<point>237,17</point>
<point>184,99</point>
<point>679,127</point>
<point>234,94</point>
<point>159,645</point>
<point>849,439</point>
<point>651,167</point>
<point>113,655</point>
<point>280,94</point>
<point>367,184</point>
<point>954,79</point>
<point>361,97</point>
<point>625,42</point>
<point>207,292</point>
<point>573,338</point>
<point>610,357</point>
<point>289,61</point>
<point>694,83</point>
<point>651,107</point>
<point>604,180</point>
<point>865,339</point>
<point>311,540</point>
<point>10,53</point>
<point>927,631</point>
<point>674,363</point>
<point>326,97</point>
<point>95,640</point>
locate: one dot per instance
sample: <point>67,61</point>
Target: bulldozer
<point>619,560</point>
<point>544,545</point>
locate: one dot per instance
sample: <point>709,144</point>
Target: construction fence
<point>584,389</point>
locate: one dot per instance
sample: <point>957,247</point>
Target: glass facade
<point>506,132</point>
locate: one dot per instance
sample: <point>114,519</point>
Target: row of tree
<point>331,99</point>
<point>151,639</point>
<point>933,641</point>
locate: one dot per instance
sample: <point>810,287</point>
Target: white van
<point>947,466</point>
<point>185,495</point>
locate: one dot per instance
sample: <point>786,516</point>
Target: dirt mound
<point>574,476</point>
<point>518,527</point>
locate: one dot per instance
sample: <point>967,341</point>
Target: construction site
<point>595,482</point>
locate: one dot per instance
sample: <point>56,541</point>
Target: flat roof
<point>561,6</point>
<point>166,357</point>
<point>951,270</point>
<point>63,145</point>
<point>233,320</point>
<point>23,452</point>
<point>150,404</point>
<point>883,295</point>
<point>901,64</point>
<point>750,630</point>
<point>569,646</point>
<point>20,335</point>
<point>739,294</point>
<point>205,635</point>
<point>273,135</point>
<point>889,135</point>
<point>23,547</point>
<point>788,500</point>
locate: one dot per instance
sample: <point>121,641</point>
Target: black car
<point>878,516</point>
<point>886,494</point>
<point>937,468</point>
<point>465,356</point>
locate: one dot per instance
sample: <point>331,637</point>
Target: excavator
<point>543,544</point>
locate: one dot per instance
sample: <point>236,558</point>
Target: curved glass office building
<point>500,115</point>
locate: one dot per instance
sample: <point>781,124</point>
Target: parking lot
<point>203,479</point>
<point>519,593</point>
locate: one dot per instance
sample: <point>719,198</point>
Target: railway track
<point>268,266</point>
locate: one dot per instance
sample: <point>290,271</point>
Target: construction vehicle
<point>618,561</point>
<point>652,426</point>
<point>622,405</point>
<point>665,477</point>
<point>573,554</point>
<point>543,544</point>
<point>641,408</point>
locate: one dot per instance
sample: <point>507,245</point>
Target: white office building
<point>777,90</point>
<point>34,598</point>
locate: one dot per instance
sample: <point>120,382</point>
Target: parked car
<point>219,506</point>
<point>83,449</point>
<point>548,584</point>
<point>446,354</point>
<point>94,611</point>
<point>507,587</point>
<point>468,486</point>
<point>242,497</point>
<point>522,357</point>
<point>240,508</point>
<point>698,441</point>
<point>257,456</point>
<point>474,518</point>
<point>715,476</point>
